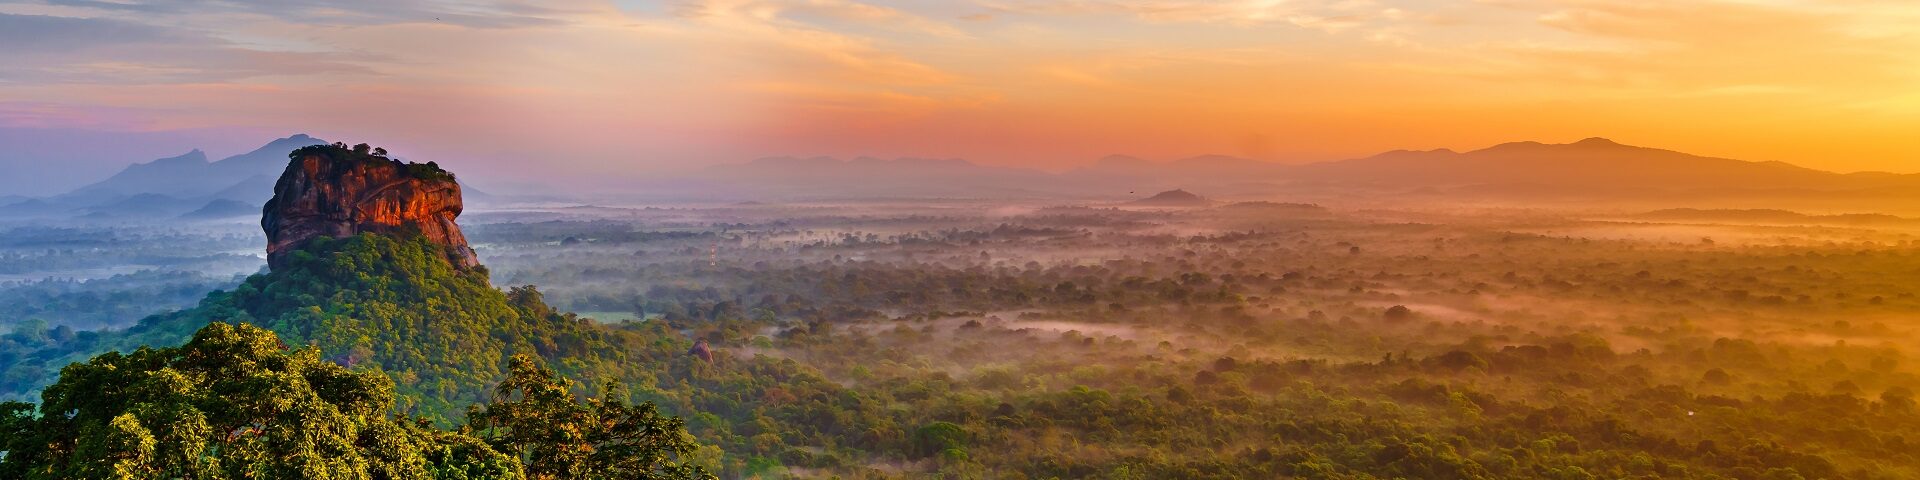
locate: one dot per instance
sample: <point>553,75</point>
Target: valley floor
<point>993,341</point>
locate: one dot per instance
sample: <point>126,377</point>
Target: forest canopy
<point>1081,343</point>
<point>233,402</point>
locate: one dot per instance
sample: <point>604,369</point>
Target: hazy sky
<point>592,88</point>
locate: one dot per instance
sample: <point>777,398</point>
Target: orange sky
<point>590,87</point>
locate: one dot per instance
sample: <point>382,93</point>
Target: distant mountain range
<point>186,187</point>
<point>223,208</point>
<point>191,175</point>
<point>171,187</point>
<point>1595,169</point>
<point>1594,162</point>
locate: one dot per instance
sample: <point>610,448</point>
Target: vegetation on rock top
<point>363,153</point>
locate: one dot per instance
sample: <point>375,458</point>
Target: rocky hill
<point>336,192</point>
<point>1173,198</point>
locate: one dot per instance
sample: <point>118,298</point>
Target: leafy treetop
<point>235,403</point>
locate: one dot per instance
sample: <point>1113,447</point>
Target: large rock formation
<point>334,191</point>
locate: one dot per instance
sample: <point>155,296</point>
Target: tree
<point>1716,376</point>
<point>233,402</point>
<point>536,418</point>
<point>941,438</point>
<point>1898,398</point>
<point>1398,313</point>
<point>1460,360</point>
<point>230,403</point>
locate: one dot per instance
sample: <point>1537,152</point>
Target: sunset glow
<point>1008,239</point>
<point>589,87</point>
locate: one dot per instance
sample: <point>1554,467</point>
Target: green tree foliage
<point>428,340</point>
<point>941,438</point>
<point>341,152</point>
<point>1181,365</point>
<point>231,403</point>
<point>443,334</point>
<point>604,438</point>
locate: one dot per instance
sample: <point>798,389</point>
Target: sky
<point>581,89</point>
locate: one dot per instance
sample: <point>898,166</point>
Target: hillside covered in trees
<point>406,362</point>
<point>234,401</point>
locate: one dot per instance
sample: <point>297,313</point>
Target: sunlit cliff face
<point>337,193</point>
<point>596,87</point>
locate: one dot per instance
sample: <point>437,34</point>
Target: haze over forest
<point>1006,239</point>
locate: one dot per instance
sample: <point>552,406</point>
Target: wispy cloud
<point>1725,45</point>
<point>478,14</point>
<point>594,82</point>
<point>1331,16</point>
<point>47,49</point>
<point>832,54</point>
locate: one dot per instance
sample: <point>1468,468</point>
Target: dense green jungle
<point>1255,340</point>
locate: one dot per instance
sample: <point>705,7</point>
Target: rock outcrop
<point>335,191</point>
